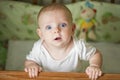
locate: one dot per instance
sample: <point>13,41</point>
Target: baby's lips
<point>58,38</point>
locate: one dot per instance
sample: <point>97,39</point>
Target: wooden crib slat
<point>21,75</point>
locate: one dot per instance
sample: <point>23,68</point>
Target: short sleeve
<point>85,50</point>
<point>35,53</point>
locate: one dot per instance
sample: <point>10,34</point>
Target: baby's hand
<point>93,72</point>
<point>33,70</point>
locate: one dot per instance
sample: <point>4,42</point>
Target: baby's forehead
<point>54,13</point>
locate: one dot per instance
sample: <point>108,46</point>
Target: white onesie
<point>71,63</point>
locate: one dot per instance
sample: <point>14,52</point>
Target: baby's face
<point>55,28</point>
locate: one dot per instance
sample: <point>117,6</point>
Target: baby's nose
<point>56,30</point>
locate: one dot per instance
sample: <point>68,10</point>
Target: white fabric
<point>71,63</point>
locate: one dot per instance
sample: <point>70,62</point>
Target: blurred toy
<point>87,23</point>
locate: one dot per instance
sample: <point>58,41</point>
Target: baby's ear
<point>39,32</point>
<point>73,27</point>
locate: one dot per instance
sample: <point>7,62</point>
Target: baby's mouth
<point>57,38</point>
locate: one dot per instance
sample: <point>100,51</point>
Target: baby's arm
<point>32,68</point>
<point>94,69</point>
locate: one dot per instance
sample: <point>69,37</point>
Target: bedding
<point>18,20</point>
<point>18,49</point>
<point>16,55</point>
<point>3,53</point>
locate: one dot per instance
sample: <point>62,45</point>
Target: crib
<point>19,75</point>
<point>18,40</point>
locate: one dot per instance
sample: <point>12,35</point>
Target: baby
<point>58,50</point>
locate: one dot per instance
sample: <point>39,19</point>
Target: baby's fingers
<point>93,75</point>
<point>100,73</point>
<point>96,74</point>
<point>26,70</point>
<point>40,69</point>
<point>32,73</point>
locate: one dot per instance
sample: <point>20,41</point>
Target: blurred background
<point>44,2</point>
<point>18,23</point>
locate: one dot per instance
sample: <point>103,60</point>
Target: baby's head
<point>55,23</point>
<point>56,7</point>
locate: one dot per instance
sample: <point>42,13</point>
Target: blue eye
<point>48,27</point>
<point>63,25</point>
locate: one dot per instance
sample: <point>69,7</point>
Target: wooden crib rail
<point>21,75</point>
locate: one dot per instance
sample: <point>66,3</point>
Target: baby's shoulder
<point>79,41</point>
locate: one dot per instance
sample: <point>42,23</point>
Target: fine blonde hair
<point>56,6</point>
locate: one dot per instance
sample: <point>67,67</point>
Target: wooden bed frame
<point>21,75</point>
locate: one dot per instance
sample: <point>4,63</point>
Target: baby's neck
<point>59,53</point>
